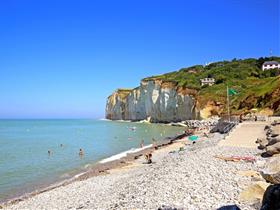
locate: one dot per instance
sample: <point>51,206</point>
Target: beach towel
<point>193,138</point>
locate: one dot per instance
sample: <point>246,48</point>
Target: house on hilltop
<point>207,81</point>
<point>270,65</point>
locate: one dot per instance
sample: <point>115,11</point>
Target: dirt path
<point>245,135</point>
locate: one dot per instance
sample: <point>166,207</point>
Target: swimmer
<point>81,153</point>
<point>61,145</point>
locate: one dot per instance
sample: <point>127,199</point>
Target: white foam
<point>87,166</point>
<point>78,175</point>
<point>66,175</point>
<point>124,154</point>
<point>122,120</point>
<point>104,119</point>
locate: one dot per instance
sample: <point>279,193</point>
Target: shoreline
<point>158,180</point>
<point>98,168</point>
<point>183,175</point>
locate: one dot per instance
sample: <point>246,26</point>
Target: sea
<point>25,164</point>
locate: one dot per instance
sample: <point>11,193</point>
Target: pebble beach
<point>182,176</point>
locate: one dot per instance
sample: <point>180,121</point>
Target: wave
<point>124,154</point>
<point>104,119</point>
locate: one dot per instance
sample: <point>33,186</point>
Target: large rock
<point>271,171</point>
<point>271,150</point>
<point>253,193</point>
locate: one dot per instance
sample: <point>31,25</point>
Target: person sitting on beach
<point>189,132</point>
<point>148,157</point>
<point>205,135</point>
<point>81,153</point>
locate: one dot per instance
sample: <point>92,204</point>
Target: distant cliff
<point>153,100</point>
<point>178,96</point>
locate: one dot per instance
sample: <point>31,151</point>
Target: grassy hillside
<point>256,88</point>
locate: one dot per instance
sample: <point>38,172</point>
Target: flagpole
<point>228,105</point>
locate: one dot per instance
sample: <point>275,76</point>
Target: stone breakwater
<point>155,101</point>
<point>202,124</point>
<point>189,179</point>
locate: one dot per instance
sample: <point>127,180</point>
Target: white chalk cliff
<point>153,100</point>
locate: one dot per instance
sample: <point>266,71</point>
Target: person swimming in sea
<point>81,153</point>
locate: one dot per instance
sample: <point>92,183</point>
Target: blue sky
<point>62,58</point>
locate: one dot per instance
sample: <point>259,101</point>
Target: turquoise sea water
<point>24,161</point>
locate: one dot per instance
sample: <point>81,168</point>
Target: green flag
<point>231,92</point>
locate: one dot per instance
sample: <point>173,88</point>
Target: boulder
<point>271,150</point>
<point>253,193</point>
<point>271,198</point>
<point>273,141</point>
<point>271,171</point>
<point>275,131</point>
<point>267,127</point>
<point>253,174</point>
<point>263,143</point>
<point>222,127</point>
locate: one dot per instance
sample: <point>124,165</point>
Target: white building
<point>207,81</point>
<point>270,65</point>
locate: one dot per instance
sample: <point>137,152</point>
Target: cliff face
<point>178,95</point>
<point>154,100</point>
<point>116,105</point>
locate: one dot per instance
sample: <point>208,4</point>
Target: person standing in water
<point>142,143</point>
<point>49,153</point>
<point>154,142</point>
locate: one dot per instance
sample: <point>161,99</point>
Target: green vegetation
<point>123,92</point>
<point>253,85</point>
